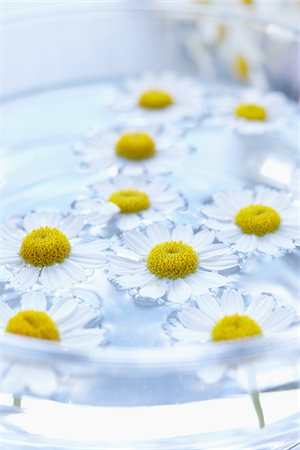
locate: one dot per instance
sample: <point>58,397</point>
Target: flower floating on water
<point>159,99</point>
<point>44,247</point>
<point>64,323</point>
<point>243,58</point>
<point>230,318</point>
<point>261,219</point>
<point>133,151</point>
<point>253,112</point>
<point>233,317</point>
<point>130,202</point>
<point>177,263</point>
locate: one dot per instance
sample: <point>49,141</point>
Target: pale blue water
<point>41,170</point>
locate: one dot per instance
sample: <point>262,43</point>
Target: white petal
<point>216,213</point>
<point>278,320</point>
<point>156,288</point>
<point>265,196</point>
<point>73,271</point>
<point>26,278</point>
<point>260,307</point>
<point>128,221</point>
<point>232,303</point>
<point>92,247</point>
<point>12,234</point>
<point>210,308</point>
<point>62,310</point>
<point>158,233</point>
<point>247,243</point>
<point>280,240</point>
<point>34,221</point>
<point>153,216</point>
<point>280,202</point>
<point>189,336</point>
<point>196,284</point>
<point>82,315</point>
<point>88,261</point>
<point>10,259</point>
<point>138,242</point>
<point>87,339</point>
<point>218,225</point>
<point>135,280</point>
<point>266,246</point>
<point>53,278</point>
<point>125,266</point>
<point>179,291</point>
<point>71,226</point>
<point>220,263</point>
<point>230,236</point>
<point>212,280</point>
<point>34,301</point>
<point>202,239</point>
<point>227,201</point>
<point>195,320</point>
<point>52,218</point>
<point>213,251</point>
<point>183,233</point>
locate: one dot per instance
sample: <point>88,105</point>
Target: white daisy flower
<point>231,318</point>
<point>63,323</point>
<point>262,219</point>
<point>242,56</point>
<point>174,264</point>
<point>159,99</point>
<point>253,112</point>
<point>130,202</point>
<point>133,150</point>
<point>42,249</point>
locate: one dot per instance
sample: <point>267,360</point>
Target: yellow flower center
<point>235,327</point>
<point>172,259</point>
<point>258,219</point>
<point>251,111</point>
<point>241,68</point>
<point>135,146</point>
<point>34,324</point>
<point>247,2</point>
<point>155,99</point>
<point>45,247</point>
<point>130,200</point>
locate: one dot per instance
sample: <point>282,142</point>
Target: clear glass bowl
<point>141,392</point>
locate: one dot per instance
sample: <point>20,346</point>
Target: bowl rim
<point>50,8</point>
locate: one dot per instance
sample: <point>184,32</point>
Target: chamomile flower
<point>242,56</point>
<point>43,247</point>
<point>253,112</point>
<point>159,99</point>
<point>262,219</point>
<point>64,323</point>
<point>233,317</point>
<point>130,202</point>
<point>134,150</point>
<point>172,263</point>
